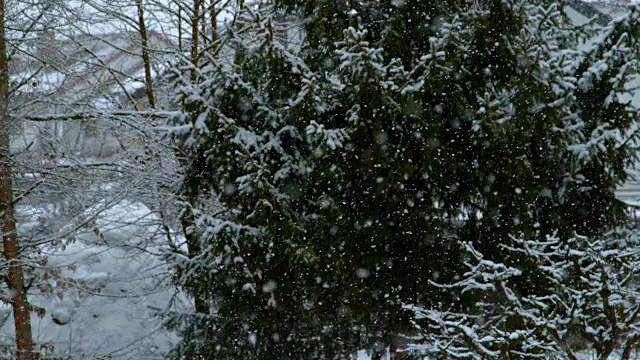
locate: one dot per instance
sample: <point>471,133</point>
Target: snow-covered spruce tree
<point>245,158</point>
<point>326,182</point>
<point>589,308</point>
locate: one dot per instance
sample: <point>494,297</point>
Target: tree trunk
<point>195,21</point>
<point>146,58</point>
<point>239,57</point>
<point>14,270</point>
<point>180,28</point>
<point>214,22</point>
<point>203,23</point>
<point>399,326</point>
<point>193,245</point>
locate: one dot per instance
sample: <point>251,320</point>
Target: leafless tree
<point>56,170</point>
<point>11,248</point>
<point>85,129</point>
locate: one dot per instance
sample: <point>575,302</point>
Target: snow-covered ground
<point>105,290</point>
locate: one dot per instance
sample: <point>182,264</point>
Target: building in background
<point>83,74</point>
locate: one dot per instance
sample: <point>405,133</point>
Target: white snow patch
<point>62,313</point>
<point>115,293</point>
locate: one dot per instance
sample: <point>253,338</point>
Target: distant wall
<point>78,140</point>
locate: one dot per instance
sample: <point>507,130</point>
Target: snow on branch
<point>79,116</point>
<point>589,304</point>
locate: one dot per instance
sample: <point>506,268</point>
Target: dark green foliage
<point>327,182</point>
